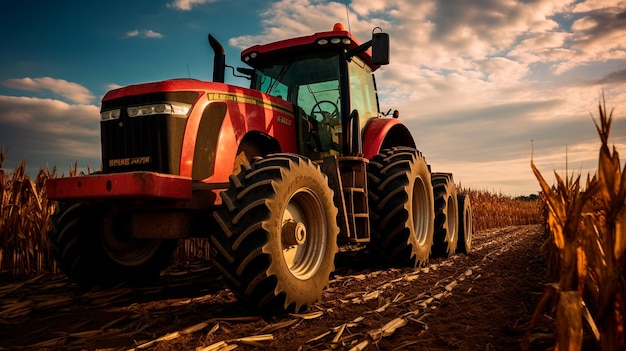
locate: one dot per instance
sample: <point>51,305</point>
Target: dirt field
<point>481,301</point>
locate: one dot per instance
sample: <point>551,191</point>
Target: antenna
<point>188,75</point>
<point>347,15</point>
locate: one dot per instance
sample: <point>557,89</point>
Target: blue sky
<point>475,81</point>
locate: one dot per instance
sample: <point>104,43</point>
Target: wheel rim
<point>468,227</point>
<point>119,244</point>
<point>420,206</point>
<point>304,257</point>
<point>451,213</point>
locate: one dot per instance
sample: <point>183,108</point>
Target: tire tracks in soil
<point>363,306</point>
<point>388,295</point>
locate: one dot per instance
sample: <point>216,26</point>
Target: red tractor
<point>276,176</point>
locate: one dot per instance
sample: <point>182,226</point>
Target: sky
<point>483,85</point>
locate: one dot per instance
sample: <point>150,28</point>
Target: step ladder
<point>348,178</point>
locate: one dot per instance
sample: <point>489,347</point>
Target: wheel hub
<point>293,233</point>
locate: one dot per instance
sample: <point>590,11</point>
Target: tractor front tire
<point>401,207</point>
<point>92,248</point>
<point>277,236</point>
<point>466,231</point>
<point>446,215</point>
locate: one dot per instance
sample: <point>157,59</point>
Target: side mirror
<point>380,48</point>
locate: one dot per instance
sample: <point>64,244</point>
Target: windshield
<point>305,80</point>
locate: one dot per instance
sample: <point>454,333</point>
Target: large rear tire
<point>401,207</point>
<point>446,215</point>
<point>93,246</point>
<point>278,236</point>
<point>466,231</point>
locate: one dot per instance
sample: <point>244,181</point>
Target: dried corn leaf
<point>398,297</point>
<point>319,337</point>
<point>375,334</point>
<point>49,344</point>
<point>254,340</point>
<point>426,302</point>
<point>114,322</point>
<point>308,316</point>
<point>411,277</point>
<point>391,326</point>
<point>360,277</point>
<point>379,309</point>
<point>238,319</point>
<point>194,328</point>
<point>353,295</point>
<point>451,286</point>
<point>371,296</point>
<point>214,329</point>
<point>86,334</point>
<point>166,337</point>
<point>52,303</point>
<point>276,326</point>
<point>218,346</point>
<point>591,322</point>
<point>361,346</point>
<point>339,332</point>
<point>17,309</point>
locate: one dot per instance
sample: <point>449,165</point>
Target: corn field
<point>491,210</point>
<point>586,253</point>
<point>25,212</point>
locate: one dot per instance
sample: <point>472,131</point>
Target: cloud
<point>617,77</point>
<point>71,91</point>
<point>290,18</point>
<point>149,33</point>
<point>186,5</point>
<point>49,131</point>
<point>476,81</point>
<point>112,86</point>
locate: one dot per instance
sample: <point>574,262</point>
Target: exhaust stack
<point>219,59</point>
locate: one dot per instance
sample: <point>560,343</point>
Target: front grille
<point>144,143</point>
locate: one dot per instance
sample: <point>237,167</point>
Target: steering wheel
<point>317,109</point>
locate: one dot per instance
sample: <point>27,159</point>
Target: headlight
<point>110,114</point>
<point>158,109</point>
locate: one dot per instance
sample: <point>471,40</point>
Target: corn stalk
<point>24,213</point>
<point>588,231</point>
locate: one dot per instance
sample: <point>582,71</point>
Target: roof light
<point>322,42</point>
<point>338,27</point>
<point>346,41</point>
<point>253,55</point>
<point>335,40</point>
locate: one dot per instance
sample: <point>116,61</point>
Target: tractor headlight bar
<point>110,114</point>
<point>158,109</point>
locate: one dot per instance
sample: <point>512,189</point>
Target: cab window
<point>362,91</point>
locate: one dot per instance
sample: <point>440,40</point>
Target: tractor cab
<point>328,78</point>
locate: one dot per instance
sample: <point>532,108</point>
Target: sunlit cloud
<point>112,86</point>
<point>186,5</point>
<point>149,33</point>
<point>476,81</point>
<point>71,91</point>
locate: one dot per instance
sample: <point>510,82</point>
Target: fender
<point>221,119</point>
<point>381,133</point>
